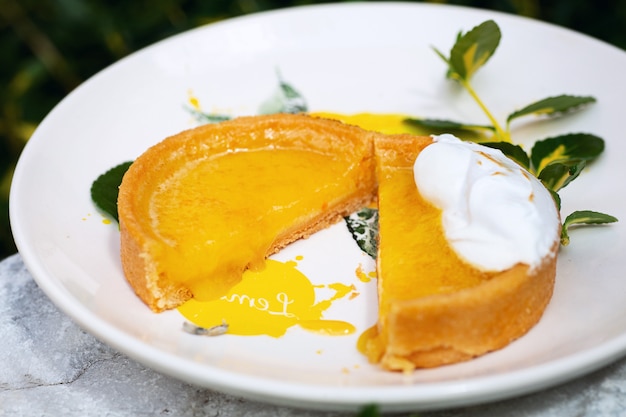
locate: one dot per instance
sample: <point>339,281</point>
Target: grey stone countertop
<point>49,366</point>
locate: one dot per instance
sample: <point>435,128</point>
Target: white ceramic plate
<point>344,58</point>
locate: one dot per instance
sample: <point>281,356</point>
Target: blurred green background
<point>48,47</point>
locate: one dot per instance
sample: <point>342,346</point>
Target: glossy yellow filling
<point>386,123</point>
<point>221,215</point>
<point>415,258</point>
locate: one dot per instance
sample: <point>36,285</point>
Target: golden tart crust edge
<point>456,327</point>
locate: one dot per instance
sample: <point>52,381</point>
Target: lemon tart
<point>467,252</point>
<point>206,204</point>
<point>467,238</point>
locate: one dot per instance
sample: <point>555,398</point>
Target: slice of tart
<point>467,252</point>
<point>200,207</point>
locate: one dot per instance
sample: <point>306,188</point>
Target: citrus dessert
<point>467,238</point>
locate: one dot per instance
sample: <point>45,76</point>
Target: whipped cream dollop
<point>495,214</point>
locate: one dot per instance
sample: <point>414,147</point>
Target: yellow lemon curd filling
<point>411,233</point>
<point>387,123</point>
<point>222,215</point>
<point>200,207</point>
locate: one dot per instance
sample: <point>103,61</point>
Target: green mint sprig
<point>471,51</point>
<point>583,217</point>
<point>556,161</point>
<point>105,189</point>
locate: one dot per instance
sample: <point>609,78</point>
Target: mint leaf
<point>557,175</point>
<point>105,188</point>
<point>557,199</point>
<point>475,133</point>
<point>584,217</point>
<point>363,225</point>
<point>514,152</point>
<point>294,101</point>
<point>286,99</point>
<point>473,49</point>
<point>553,106</point>
<point>445,125</point>
<point>567,149</point>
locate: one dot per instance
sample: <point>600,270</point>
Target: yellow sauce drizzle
<point>362,276</point>
<point>193,100</point>
<point>268,302</point>
<point>370,344</point>
<point>328,327</point>
<point>383,123</point>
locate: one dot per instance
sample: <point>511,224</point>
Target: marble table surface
<point>50,366</point>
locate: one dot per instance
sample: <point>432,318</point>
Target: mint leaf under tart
<point>584,217</point>
<point>552,106</point>
<point>363,225</point>
<point>105,188</point>
<point>567,149</point>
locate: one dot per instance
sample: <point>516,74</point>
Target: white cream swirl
<point>495,214</point>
